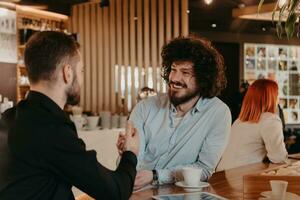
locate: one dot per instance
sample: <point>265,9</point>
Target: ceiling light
<point>241,5</point>
<point>214,25</point>
<point>208,2</point>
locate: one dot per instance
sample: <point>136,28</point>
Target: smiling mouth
<point>177,85</point>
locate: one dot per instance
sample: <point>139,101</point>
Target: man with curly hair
<point>189,126</point>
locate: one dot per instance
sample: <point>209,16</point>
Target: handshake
<point>128,140</point>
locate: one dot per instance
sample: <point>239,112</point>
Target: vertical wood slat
<point>140,42</point>
<point>132,49</point>
<point>184,18</point>
<point>176,18</point>
<point>161,36</point>
<point>100,80</point>
<point>112,56</point>
<point>74,19</point>
<point>98,41</point>
<point>168,20</point>
<point>82,48</point>
<point>106,59</point>
<point>120,52</point>
<point>154,43</point>
<point>94,60</point>
<point>146,41</point>
<point>126,50</point>
<point>87,56</point>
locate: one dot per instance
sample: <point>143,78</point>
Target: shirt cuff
<point>165,176</point>
<point>130,157</point>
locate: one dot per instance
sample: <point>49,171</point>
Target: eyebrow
<point>183,68</point>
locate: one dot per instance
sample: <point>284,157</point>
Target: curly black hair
<point>209,67</point>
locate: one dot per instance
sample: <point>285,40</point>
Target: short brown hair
<point>47,50</point>
<point>209,67</point>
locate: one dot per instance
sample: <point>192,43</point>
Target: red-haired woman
<point>257,132</point>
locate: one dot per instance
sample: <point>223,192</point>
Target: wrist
<point>155,178</point>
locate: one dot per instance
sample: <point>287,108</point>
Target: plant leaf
<point>259,5</point>
<point>279,29</point>
<point>298,30</point>
<point>290,25</point>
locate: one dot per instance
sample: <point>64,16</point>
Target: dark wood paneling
<point>8,80</point>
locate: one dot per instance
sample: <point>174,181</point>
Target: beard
<point>73,93</point>
<point>178,100</point>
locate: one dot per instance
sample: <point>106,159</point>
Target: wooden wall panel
<point>112,55</point>
<point>146,40</point>
<point>154,49</point>
<point>126,50</point>
<point>140,42</point>
<point>129,34</point>
<point>132,19</point>
<point>82,49</point>
<point>107,65</point>
<point>119,53</point>
<point>100,60</point>
<point>94,105</point>
<point>176,19</point>
<point>161,38</point>
<point>184,18</point>
<point>87,55</point>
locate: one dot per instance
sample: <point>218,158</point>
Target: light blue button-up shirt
<point>198,140</point>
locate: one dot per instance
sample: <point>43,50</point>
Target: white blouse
<point>252,142</point>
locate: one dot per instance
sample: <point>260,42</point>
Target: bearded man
<point>43,156</point>
<point>189,126</point>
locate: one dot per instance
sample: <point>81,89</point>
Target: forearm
<point>125,174</point>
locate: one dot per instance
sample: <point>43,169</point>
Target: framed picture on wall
<point>280,63</point>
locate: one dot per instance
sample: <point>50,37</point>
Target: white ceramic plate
<point>192,188</point>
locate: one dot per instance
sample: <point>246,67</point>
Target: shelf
<point>24,15</point>
<point>24,86</point>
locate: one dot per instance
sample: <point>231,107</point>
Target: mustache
<point>177,83</point>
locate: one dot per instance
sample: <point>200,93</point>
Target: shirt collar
<point>40,98</point>
<point>201,101</point>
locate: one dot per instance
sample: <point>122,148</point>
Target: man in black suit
<point>43,156</point>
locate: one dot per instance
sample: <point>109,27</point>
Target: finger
<point>122,133</point>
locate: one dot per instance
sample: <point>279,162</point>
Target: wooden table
<point>227,183</point>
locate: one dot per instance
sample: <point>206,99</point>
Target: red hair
<point>260,97</point>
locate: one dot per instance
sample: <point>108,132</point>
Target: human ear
<point>67,73</point>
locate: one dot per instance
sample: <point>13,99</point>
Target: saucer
<point>288,195</point>
<point>192,188</point>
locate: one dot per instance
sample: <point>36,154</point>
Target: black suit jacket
<point>42,157</point>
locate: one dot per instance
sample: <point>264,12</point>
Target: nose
<point>175,76</point>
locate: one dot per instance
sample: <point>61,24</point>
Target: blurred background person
<point>235,103</point>
<point>257,132</point>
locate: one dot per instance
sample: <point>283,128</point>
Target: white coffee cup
<point>278,189</point>
<point>79,121</point>
<point>105,119</point>
<point>115,121</point>
<point>92,122</point>
<point>123,121</point>
<point>191,175</point>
